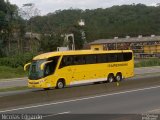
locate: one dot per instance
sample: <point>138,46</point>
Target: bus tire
<point>118,77</point>
<point>60,84</point>
<point>110,78</point>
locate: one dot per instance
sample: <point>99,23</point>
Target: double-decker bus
<point>60,69</point>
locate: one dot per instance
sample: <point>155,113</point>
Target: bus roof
<point>76,52</point>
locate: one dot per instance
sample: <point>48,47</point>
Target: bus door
<point>66,69</point>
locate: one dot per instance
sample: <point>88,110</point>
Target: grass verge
<point>148,63</point>
<point>8,72</point>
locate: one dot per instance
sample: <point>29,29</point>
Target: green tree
<point>10,23</point>
<point>121,21</point>
<point>50,42</point>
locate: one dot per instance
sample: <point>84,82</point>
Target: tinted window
<point>66,61</point>
<point>120,57</point>
<point>95,58</point>
<point>90,59</point>
<point>50,67</point>
<point>102,58</point>
<point>127,56</point>
<point>79,60</point>
<point>112,57</point>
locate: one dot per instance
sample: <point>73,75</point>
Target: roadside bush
<point>16,60</point>
<point>147,63</point>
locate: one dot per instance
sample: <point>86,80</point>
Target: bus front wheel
<point>60,84</point>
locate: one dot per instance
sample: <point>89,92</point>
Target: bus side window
<point>69,60</point>
<point>62,64</point>
<point>75,61</point>
<point>50,67</point>
<point>66,61</point>
<point>127,56</point>
<point>102,58</point>
<point>79,60</point>
<point>83,61</point>
<point>47,70</point>
<point>119,57</point>
<point>90,59</point>
<point>112,57</point>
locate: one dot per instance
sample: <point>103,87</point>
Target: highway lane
<point>41,96</point>
<point>135,101</point>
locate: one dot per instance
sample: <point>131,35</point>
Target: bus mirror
<point>43,64</point>
<point>26,66</point>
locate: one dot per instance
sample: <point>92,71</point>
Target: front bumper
<point>38,83</point>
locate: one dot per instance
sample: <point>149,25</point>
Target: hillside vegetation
<point>132,20</point>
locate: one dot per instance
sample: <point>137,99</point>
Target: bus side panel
<point>85,72</point>
<point>90,72</point>
<point>101,71</point>
<point>65,73</point>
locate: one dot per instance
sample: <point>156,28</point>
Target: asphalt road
<point>135,101</point>
<point>146,86</point>
<point>91,102</point>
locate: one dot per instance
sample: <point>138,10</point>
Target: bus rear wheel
<point>60,84</point>
<point>110,78</point>
<point>118,77</point>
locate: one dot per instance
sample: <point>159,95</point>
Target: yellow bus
<point>60,69</point>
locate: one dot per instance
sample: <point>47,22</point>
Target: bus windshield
<point>34,71</point>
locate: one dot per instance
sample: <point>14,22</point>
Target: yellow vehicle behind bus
<point>60,69</point>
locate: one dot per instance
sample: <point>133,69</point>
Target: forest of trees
<point>126,20</point>
<point>10,24</point>
<point>131,20</point>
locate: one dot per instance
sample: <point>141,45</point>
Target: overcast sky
<point>47,6</point>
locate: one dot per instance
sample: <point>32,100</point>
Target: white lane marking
<point>57,114</point>
<point>80,99</point>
